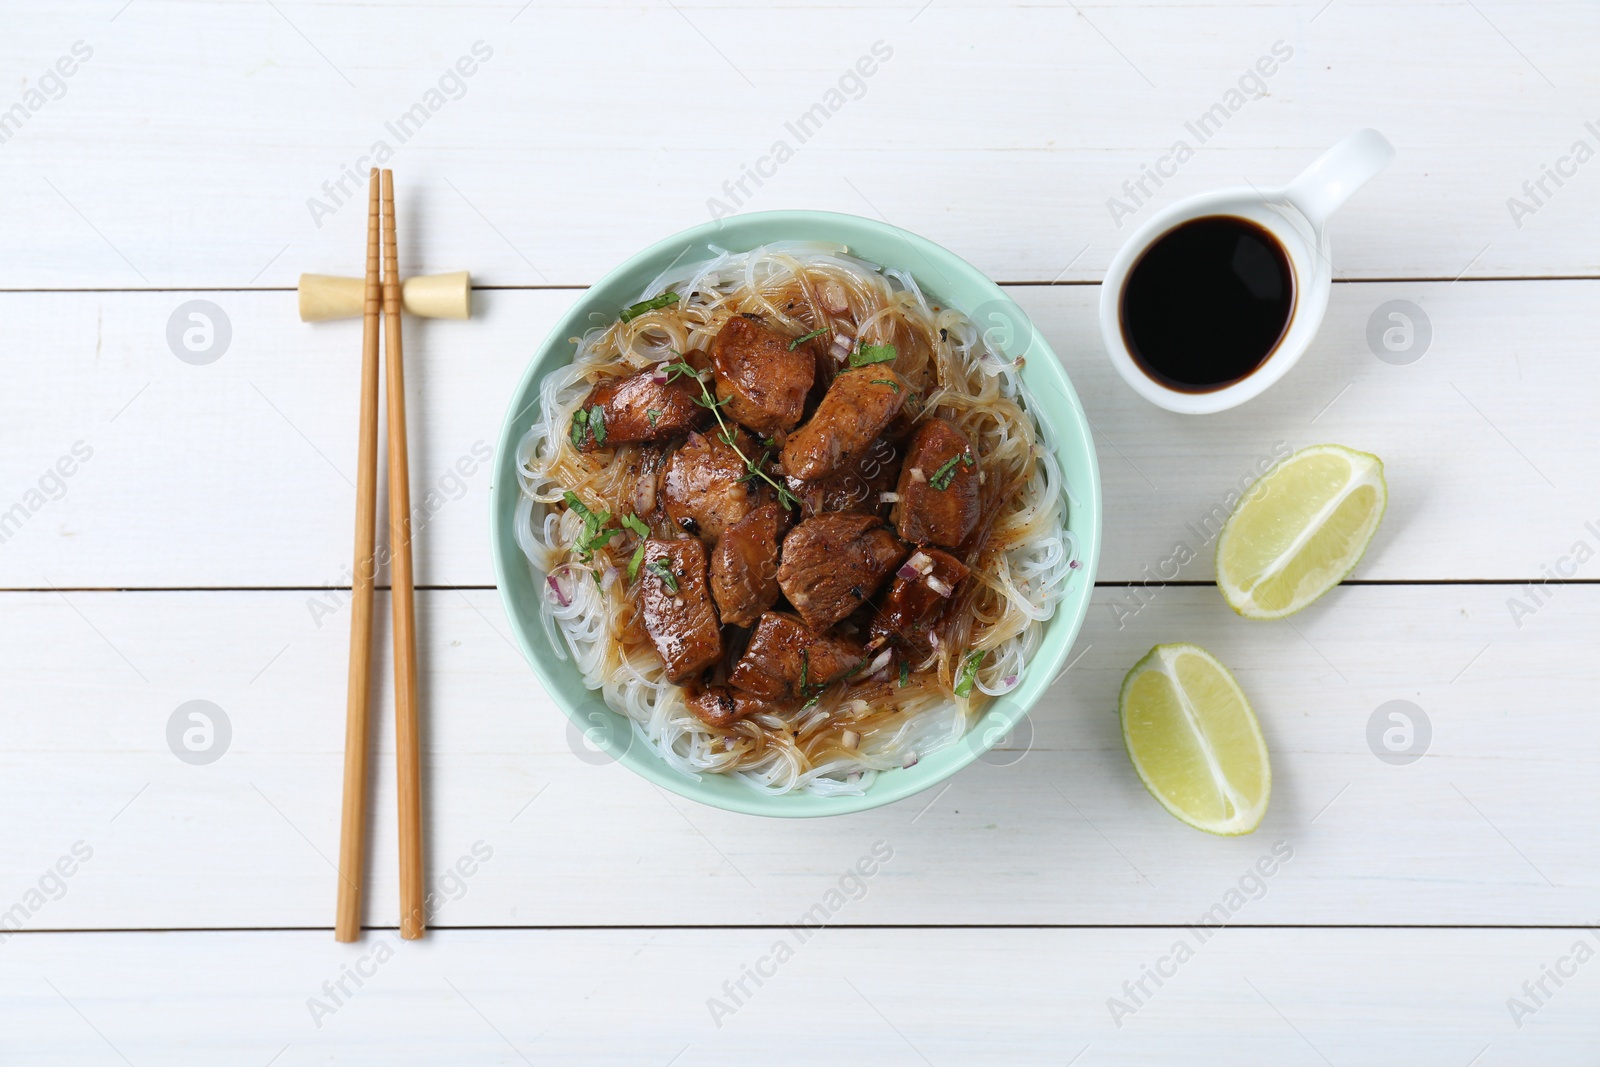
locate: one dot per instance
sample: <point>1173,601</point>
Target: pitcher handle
<point>1321,188</point>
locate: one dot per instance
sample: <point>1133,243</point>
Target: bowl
<point>947,280</point>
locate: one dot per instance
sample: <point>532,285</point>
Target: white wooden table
<point>197,548</point>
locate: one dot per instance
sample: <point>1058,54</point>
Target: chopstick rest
<point>324,297</point>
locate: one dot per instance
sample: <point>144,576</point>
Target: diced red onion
<point>888,498</point>
<point>917,475</point>
<point>833,299</point>
<point>910,760</point>
<point>933,638</point>
<point>878,664</point>
<point>908,572</point>
<point>659,376</point>
<point>850,739</point>
<point>555,588</point>
<point>920,562</point>
<point>939,587</point>
<point>1010,681</point>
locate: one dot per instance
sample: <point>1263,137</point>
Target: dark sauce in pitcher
<point>1207,303</point>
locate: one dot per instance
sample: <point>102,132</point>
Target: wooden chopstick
<point>353,820</point>
<point>407,748</point>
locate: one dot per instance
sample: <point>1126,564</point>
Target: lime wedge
<point>1300,530</point>
<point>1194,741</point>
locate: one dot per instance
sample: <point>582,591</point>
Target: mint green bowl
<point>947,280</point>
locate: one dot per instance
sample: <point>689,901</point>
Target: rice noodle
<point>1017,580</point>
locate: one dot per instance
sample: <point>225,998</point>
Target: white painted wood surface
<point>1485,481</point>
<point>895,997</point>
<point>208,506</point>
<point>1054,829</point>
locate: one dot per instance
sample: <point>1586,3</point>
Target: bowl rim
<point>1001,715</point>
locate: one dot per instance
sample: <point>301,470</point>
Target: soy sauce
<point>1207,303</point>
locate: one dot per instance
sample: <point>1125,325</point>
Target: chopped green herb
<point>597,423</point>
<point>577,505</point>
<point>633,564</point>
<point>705,401</point>
<point>905,672</point>
<point>890,382</point>
<point>967,677</point>
<point>580,424</point>
<point>655,303</point>
<point>869,354</point>
<point>595,535</point>
<point>636,524</point>
<point>947,471</point>
<point>652,414</point>
<point>600,539</point>
<point>660,569</point>
<point>798,341</point>
<point>805,667</point>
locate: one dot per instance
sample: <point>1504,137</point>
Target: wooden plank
<point>884,996</point>
<point>1491,826</point>
<point>236,473</point>
<point>1008,148</point>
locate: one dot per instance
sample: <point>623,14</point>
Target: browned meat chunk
<point>833,562</point>
<point>744,566</point>
<point>705,486</point>
<point>858,405</point>
<point>762,380</point>
<point>786,659</point>
<point>637,408</point>
<point>938,489</point>
<point>721,707</point>
<point>918,597</point>
<point>677,608</point>
<point>858,487</point>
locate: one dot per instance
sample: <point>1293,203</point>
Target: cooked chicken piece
<point>786,659</point>
<point>763,379</point>
<point>721,706</point>
<point>705,486</point>
<point>921,591</point>
<point>637,408</point>
<point>833,562</point>
<point>858,405</point>
<point>744,566</point>
<point>858,487</point>
<point>938,488</point>
<point>677,607</point>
